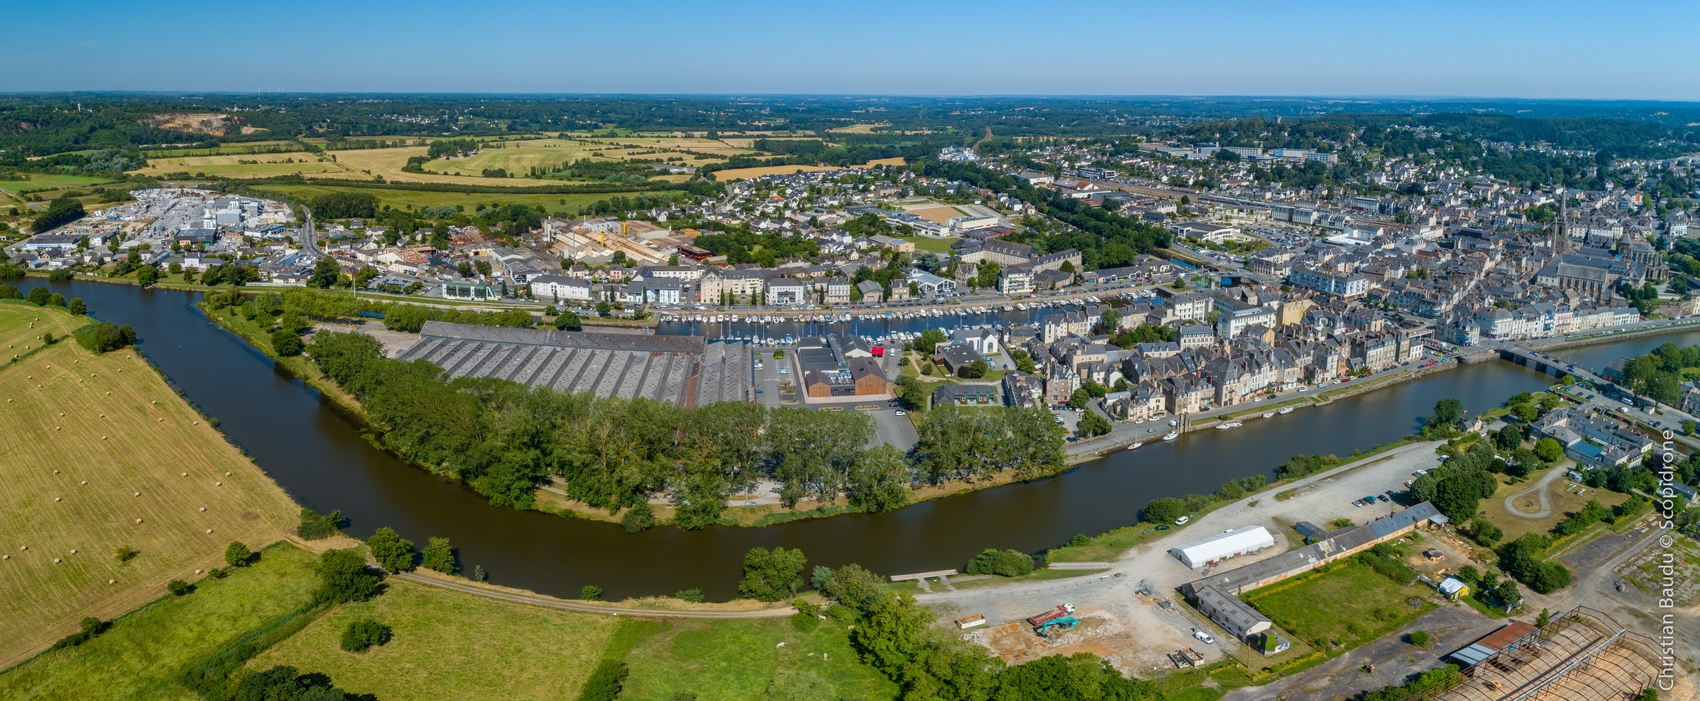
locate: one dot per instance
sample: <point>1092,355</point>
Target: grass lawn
<point>927,243</point>
<point>70,416</point>
<point>1106,547</point>
<point>736,660</point>
<point>39,182</point>
<point>400,199</point>
<point>1350,606</point>
<point>138,656</point>
<point>1563,503</point>
<point>451,645</point>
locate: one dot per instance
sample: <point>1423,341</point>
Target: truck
<point>1061,611</point>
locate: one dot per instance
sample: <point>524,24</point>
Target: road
<point>309,238</point>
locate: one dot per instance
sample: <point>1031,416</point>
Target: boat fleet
<point>845,317</point>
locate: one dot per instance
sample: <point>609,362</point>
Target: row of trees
<point>505,439</point>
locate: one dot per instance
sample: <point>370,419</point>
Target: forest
<point>506,440</point>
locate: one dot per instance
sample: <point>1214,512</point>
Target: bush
<point>638,517</point>
<point>605,682</point>
<point>344,576</point>
<point>1078,540</point>
<point>393,552</point>
<point>1418,638</point>
<point>1004,563</point>
<point>772,575</point>
<point>855,587</point>
<point>179,587</point>
<point>39,296</point>
<point>1164,510</point>
<point>694,596</point>
<point>590,592</point>
<point>316,527</point>
<point>125,553</point>
<point>90,627</point>
<point>237,555</point>
<point>364,633</point>
<point>78,306</point>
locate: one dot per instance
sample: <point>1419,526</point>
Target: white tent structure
<point>1222,546</point>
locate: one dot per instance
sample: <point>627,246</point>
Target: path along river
<point>325,464</point>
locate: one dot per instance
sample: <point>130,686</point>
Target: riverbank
<point>299,367</point>
<point>1673,326</point>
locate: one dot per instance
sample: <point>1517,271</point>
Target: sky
<point>1480,48</point>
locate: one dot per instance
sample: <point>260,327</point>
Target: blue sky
<point>1554,49</point>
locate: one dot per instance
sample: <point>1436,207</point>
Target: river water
<point>325,463</point>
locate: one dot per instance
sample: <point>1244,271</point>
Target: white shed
<point>1222,546</point>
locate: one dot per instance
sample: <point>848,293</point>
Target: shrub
<point>605,682</point>
<point>590,592</point>
<point>125,553</point>
<point>1164,510</point>
<point>78,306</point>
<point>1005,563</point>
<point>692,595</point>
<point>638,517</point>
<point>363,633</point>
<point>772,575</point>
<point>90,627</point>
<point>853,586</point>
<point>1418,638</point>
<point>179,587</point>
<point>316,527</point>
<point>1079,539</point>
<point>286,343</point>
<point>237,554</point>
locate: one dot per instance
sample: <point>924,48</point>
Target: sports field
<point>138,657</point>
<point>97,453</point>
<point>449,645</point>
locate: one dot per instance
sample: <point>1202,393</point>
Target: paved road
<point>1540,490</point>
<point>309,237</point>
<point>584,606</point>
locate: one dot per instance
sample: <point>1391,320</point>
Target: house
<point>1015,280</point>
<point>871,291</point>
<point>981,338</point>
<point>837,290</point>
<point>964,395</point>
<point>786,291</point>
<point>1022,390</point>
<point>560,288</point>
<point>654,291</point>
<point>956,356</point>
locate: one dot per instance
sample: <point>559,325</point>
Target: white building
<point>1240,541</point>
<point>557,288</point>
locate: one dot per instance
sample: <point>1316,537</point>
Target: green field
<point>259,165</point>
<point>565,205</point>
<point>138,656</point>
<point>42,183</point>
<point>737,660</point>
<point>92,443</point>
<point>927,243</point>
<point>1350,606</point>
<point>452,645</point>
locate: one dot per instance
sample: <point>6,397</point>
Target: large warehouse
<point>684,371</point>
<point>1222,546</point>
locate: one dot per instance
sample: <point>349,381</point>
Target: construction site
<point>1582,655</point>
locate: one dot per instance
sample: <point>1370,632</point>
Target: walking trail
<point>1540,491</point>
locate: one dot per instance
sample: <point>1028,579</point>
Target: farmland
<point>744,173</point>
<point>1345,606</point>
<point>39,183</point>
<point>95,452</point>
<point>450,645</point>
<point>137,658</point>
<point>402,199</point>
<point>733,660</point>
<point>257,165</point>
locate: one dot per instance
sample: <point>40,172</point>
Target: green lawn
<point>1349,606</point>
<point>736,660</point>
<point>49,182</point>
<point>451,645</point>
<point>138,656</point>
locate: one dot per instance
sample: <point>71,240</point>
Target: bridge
<point>1550,366</point>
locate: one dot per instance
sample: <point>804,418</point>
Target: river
<point>324,463</point>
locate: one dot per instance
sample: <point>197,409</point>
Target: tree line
<point>505,439</point>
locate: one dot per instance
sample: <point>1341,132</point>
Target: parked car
<point>1201,635</point>
<point>1182,520</point>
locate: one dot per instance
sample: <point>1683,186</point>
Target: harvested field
<point>255,165</point>
<point>94,459</point>
<point>565,205</point>
<point>744,173</point>
<point>139,656</point>
<point>450,645</point>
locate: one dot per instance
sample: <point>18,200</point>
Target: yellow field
<point>68,417</point>
<point>450,645</point>
<point>859,128</point>
<point>938,214</point>
<point>743,173</point>
<point>259,165</point>
<point>561,205</point>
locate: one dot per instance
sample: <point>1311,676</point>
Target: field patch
<point>137,658</point>
<point>560,205</point>
<point>1341,608</point>
<point>731,660</point>
<point>448,644</point>
<point>194,122</point>
<point>937,214</point>
<point>93,458</point>
<point>43,183</point>
<point>254,165</point>
<point>1563,496</point>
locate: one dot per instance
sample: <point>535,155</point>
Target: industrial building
<point>1265,572</point>
<point>839,367</point>
<point>1229,544</point>
<point>684,371</point>
<point>1235,616</point>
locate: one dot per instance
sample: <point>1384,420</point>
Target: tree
<point>929,340</point>
<point>1004,563</point>
<point>590,592</point>
<point>78,306</point>
<point>1508,436</point>
<point>1091,424</point>
<point>392,552</point>
<point>439,557</point>
<point>1446,412</point>
<point>286,343</point>
<point>63,210</point>
<point>326,274</point>
<point>1110,320</point>
<point>343,576</point>
<point>853,586</point>
<point>237,554</point>
<point>879,479</point>
<point>39,296</point>
<point>1549,449</point>
<point>568,321</point>
<point>974,370</point>
<point>147,275</point>
<point>772,575</point>
<point>1079,399</point>
<point>1164,510</point>
<point>364,633</point>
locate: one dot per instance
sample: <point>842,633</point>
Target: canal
<point>325,464</point>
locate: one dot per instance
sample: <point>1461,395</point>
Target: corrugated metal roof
<point>1221,545</point>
